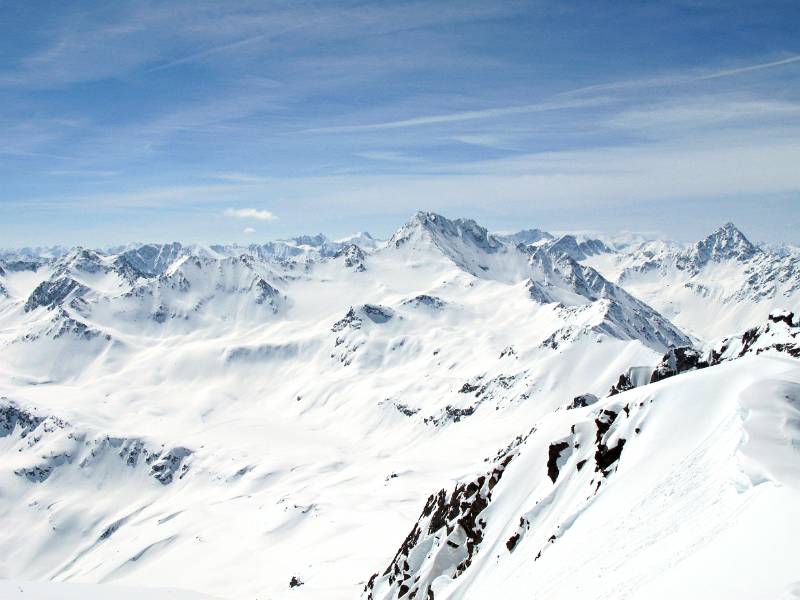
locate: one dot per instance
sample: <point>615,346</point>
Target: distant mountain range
<point>447,413</point>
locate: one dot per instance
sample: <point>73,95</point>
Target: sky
<point>239,121</point>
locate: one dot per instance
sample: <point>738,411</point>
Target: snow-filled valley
<point>443,414</point>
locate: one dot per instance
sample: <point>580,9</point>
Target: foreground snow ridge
<point>448,413</point>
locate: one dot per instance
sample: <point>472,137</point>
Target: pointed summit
<point>444,232</point>
<point>726,243</point>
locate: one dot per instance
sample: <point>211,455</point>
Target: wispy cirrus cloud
<point>241,178</point>
<point>679,78</point>
<point>389,156</point>
<point>750,68</point>
<point>250,213</point>
<point>469,115</point>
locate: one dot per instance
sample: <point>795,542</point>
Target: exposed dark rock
<point>433,302</point>
<point>21,265</point>
<point>376,313</point>
<point>578,251</point>
<point>605,456</point>
<point>53,292</point>
<point>295,581</point>
<point>603,422</point>
<point>782,317</point>
<point>353,257</point>
<point>41,472</point>
<point>455,519</point>
<point>508,351</point>
<point>678,360</point>
<point>266,294</point>
<point>582,401</point>
<point>451,414</point>
<point>349,320</point>
<point>13,417</point>
<point>468,388</point>
<point>165,466</point>
<point>404,409</point>
<point>127,270</point>
<point>552,460</point>
<point>354,317</point>
<point>623,385</point>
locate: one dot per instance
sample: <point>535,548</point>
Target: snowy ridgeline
<point>444,414</point>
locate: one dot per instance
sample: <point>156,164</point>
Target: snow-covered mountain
<point>656,491</point>
<point>270,420</point>
<point>712,287</point>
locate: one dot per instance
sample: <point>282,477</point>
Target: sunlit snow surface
<point>269,422</point>
<point>84,591</point>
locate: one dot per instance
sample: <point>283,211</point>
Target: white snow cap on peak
<point>440,228</point>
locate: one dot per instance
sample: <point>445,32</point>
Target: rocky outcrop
<point>678,360</point>
<point>54,292</point>
<point>80,449</point>
<point>353,257</point>
<point>779,334</point>
<point>425,301</point>
<point>166,465</point>
<point>446,537</point>
<point>354,318</point>
<point>578,251</point>
<point>15,419</point>
<point>582,401</point>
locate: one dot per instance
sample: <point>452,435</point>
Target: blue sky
<point>242,121</point>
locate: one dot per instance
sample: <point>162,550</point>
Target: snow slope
<point>78,591</point>
<point>688,488</point>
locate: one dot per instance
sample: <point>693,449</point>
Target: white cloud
<point>250,213</point>
<point>248,231</point>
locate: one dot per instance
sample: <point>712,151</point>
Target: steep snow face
<point>594,301</point>
<point>583,299</point>
<point>711,289</point>
<point>152,259</point>
<point>629,497</point>
<point>463,241</point>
